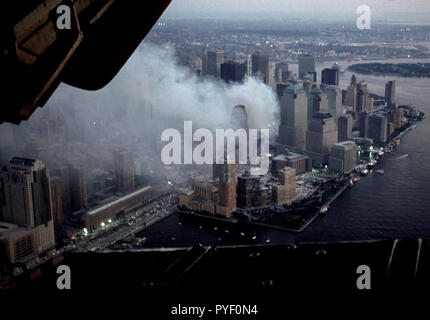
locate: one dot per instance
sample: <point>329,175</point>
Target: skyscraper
<point>294,115</point>
<point>334,96</point>
<point>78,187</point>
<point>226,175</point>
<point>124,170</point>
<point>321,136</point>
<point>343,157</point>
<point>330,77</point>
<point>306,65</point>
<point>317,102</point>
<point>362,97</point>
<point>377,128</point>
<point>282,74</point>
<point>233,71</point>
<point>211,63</point>
<point>390,93</point>
<point>28,199</point>
<point>344,128</point>
<point>260,64</point>
<point>363,123</point>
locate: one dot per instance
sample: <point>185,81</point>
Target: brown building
<point>298,162</point>
<point>124,170</point>
<point>226,175</point>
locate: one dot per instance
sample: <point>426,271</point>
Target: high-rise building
<point>78,187</point>
<point>260,64</point>
<point>330,77</point>
<point>300,163</point>
<point>317,102</point>
<point>321,136</point>
<point>28,204</point>
<point>362,97</point>
<point>306,65</point>
<point>351,95</point>
<point>343,157</point>
<point>57,205</point>
<point>334,96</point>
<point>344,128</point>
<point>390,93</point>
<point>377,128</point>
<point>63,174</point>
<point>226,175</point>
<point>124,170</point>
<point>27,192</point>
<point>294,116</point>
<point>211,63</point>
<point>232,71</point>
<point>282,74</point>
<point>363,123</point>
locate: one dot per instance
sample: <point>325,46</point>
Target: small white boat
<point>268,241</point>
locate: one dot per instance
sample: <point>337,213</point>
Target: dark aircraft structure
<point>36,55</point>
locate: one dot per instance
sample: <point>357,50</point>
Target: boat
<point>323,210</point>
<point>242,234</point>
<point>268,241</point>
<point>215,228</point>
<point>381,172</point>
<point>254,237</point>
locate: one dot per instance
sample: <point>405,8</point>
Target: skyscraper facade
<point>317,102</point>
<point>321,136</point>
<point>377,128</point>
<point>390,93</point>
<point>330,77</point>
<point>306,65</point>
<point>226,175</point>
<point>344,128</point>
<point>343,157</point>
<point>232,71</point>
<point>124,170</point>
<point>294,116</point>
<point>260,64</point>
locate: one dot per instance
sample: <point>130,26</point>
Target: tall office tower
<point>63,174</point>
<point>306,65</point>
<point>317,102</point>
<point>330,77</point>
<point>248,191</point>
<point>249,64</point>
<point>78,187</point>
<point>204,62</point>
<point>57,205</point>
<point>363,123</point>
<point>28,199</point>
<point>344,128</point>
<point>354,81</point>
<point>343,157</point>
<point>321,136</point>
<point>260,65</point>
<point>390,93</point>
<point>233,71</point>
<point>334,95</point>
<point>362,97</point>
<point>124,170</point>
<point>351,98</point>
<point>294,116</point>
<point>369,105</point>
<point>377,128</point>
<point>214,59</point>
<point>226,174</point>
<point>282,74</point>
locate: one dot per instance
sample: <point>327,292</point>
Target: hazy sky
<point>339,8</point>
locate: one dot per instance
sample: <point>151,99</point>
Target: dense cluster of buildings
<point>320,126</point>
<point>41,206</point>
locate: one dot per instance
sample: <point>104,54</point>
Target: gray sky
<point>278,8</point>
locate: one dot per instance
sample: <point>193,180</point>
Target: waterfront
<point>393,205</point>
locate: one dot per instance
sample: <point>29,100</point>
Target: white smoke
<point>153,77</point>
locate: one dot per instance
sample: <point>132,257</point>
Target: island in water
<point>408,70</point>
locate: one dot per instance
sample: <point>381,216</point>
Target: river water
<point>393,205</point>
